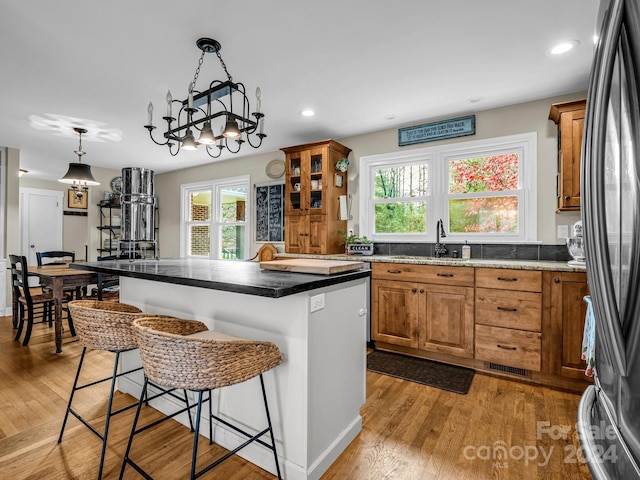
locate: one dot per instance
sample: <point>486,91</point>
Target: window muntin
<point>481,189</point>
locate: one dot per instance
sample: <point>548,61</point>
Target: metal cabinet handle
<point>444,274</point>
<point>394,271</point>
<point>414,290</point>
<point>504,279</point>
<point>556,280</point>
<point>422,290</point>
<point>505,309</point>
<point>506,348</point>
<point>567,197</point>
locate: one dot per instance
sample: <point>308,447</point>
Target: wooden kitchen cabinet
<point>432,317</point>
<point>312,197</point>
<point>306,234</point>
<point>395,307</point>
<point>568,310</point>
<point>569,117</point>
<point>508,318</point>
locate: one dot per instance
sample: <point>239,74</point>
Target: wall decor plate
<point>116,185</point>
<point>275,168</point>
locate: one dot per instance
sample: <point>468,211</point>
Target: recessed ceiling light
<point>389,116</point>
<point>563,47</point>
<point>475,99</point>
<point>307,112</point>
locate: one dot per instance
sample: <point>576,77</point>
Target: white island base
<point>314,396</point>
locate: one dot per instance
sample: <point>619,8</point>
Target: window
<point>214,219</point>
<point>483,190</point>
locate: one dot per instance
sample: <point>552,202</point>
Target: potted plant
<point>355,245</point>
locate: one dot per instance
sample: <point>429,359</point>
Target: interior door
<point>40,221</point>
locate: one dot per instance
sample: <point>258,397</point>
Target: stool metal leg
<point>126,459</point>
<point>108,420</point>
<point>73,391</point>
<point>194,454</point>
<point>273,440</point>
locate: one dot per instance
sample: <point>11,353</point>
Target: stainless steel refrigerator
<point>609,411</point>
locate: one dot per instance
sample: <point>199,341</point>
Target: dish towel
<point>589,338</point>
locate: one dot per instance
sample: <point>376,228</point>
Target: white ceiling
<point>355,62</point>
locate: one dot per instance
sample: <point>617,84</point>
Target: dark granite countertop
<point>226,275</point>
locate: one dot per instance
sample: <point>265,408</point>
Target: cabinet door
<point>316,233</point>
<point>296,171</point>
<point>394,315</point>
<point>446,319</point>
<point>295,234</point>
<point>568,311</point>
<point>315,180</point>
<point>571,127</point>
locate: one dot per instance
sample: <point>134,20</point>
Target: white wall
<point>509,120</point>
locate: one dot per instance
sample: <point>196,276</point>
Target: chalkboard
<point>270,213</point>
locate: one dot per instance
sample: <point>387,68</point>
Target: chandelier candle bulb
<point>150,112</point>
<point>190,95</point>
<point>258,101</point>
<point>262,126</point>
<point>169,100</point>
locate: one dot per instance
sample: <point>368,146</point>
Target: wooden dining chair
<point>33,304</point>
<point>60,257</point>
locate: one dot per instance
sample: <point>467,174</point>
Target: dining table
<point>60,277</point>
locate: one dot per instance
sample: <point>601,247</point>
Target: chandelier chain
<point>195,77</point>
<point>224,66</point>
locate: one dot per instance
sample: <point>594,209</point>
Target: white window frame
<point>215,222</point>
<point>438,159</point>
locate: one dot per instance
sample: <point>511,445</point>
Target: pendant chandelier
<point>79,174</point>
<point>223,107</point>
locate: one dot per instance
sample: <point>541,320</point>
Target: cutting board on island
<point>312,265</point>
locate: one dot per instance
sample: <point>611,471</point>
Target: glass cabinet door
<point>293,204</point>
<point>316,166</point>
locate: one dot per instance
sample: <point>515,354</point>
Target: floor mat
<point>435,374</point>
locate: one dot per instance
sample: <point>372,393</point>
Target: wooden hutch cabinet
<point>569,117</point>
<point>312,191</point>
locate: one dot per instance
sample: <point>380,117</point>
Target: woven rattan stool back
<point>172,358</point>
<point>105,325</point>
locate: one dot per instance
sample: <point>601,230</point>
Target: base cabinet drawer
<point>507,346</point>
<point>509,309</point>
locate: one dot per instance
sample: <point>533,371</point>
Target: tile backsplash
<point>511,251</point>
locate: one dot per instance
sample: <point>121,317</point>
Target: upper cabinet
<point>312,190</point>
<point>569,117</point>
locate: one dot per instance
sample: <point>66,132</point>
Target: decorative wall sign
<point>76,199</point>
<point>429,132</point>
<point>270,212</point>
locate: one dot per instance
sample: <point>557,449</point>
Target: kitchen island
<point>315,394</point>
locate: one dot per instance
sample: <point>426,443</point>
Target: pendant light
<point>79,174</point>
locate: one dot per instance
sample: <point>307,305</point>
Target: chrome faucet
<point>440,248</point>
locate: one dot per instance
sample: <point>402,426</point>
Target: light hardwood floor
<point>499,430</point>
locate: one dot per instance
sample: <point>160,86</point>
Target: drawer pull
<point>505,309</point>
<point>506,348</point>
<point>414,290</point>
<point>504,279</point>
<point>444,274</point>
<point>394,271</point>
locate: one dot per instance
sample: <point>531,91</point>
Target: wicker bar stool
<point>104,325</point>
<point>184,354</point>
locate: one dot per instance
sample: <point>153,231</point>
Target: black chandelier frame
<point>202,102</point>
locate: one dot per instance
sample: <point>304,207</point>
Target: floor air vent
<point>512,370</point>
